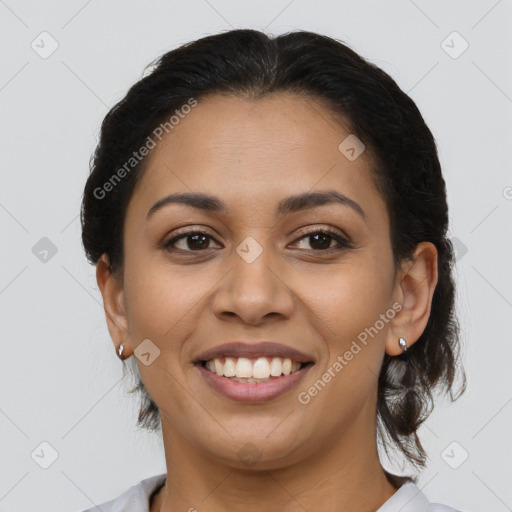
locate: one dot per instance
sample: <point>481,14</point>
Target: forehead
<point>254,151</point>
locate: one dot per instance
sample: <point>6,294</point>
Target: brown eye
<point>321,240</point>
<point>193,241</point>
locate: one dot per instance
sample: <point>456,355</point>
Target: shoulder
<point>410,498</point>
<point>134,499</point>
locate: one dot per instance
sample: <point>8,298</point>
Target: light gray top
<point>408,498</point>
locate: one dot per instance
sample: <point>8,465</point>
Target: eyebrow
<point>288,205</point>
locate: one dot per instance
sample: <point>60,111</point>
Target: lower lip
<point>253,391</point>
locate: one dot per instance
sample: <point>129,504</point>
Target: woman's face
<point>263,268</point>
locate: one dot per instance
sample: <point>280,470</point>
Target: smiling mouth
<point>257,369</point>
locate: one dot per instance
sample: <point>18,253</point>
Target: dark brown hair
<point>405,165</point>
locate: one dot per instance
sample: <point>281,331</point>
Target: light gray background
<point>59,376</point>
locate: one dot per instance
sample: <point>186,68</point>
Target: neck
<point>343,474</point>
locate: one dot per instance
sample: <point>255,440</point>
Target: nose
<point>254,291</point>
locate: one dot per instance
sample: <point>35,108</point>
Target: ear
<point>414,289</point>
<point>112,291</point>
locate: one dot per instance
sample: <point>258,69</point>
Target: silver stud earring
<point>402,343</point>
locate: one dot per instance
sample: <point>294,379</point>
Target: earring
<point>402,343</point>
<point>120,352</point>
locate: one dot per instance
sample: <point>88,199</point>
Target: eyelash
<point>342,241</point>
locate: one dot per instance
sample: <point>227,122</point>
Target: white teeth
<point>276,367</point>
<point>229,368</point>
<point>261,370</point>
<point>219,368</point>
<point>243,367</point>
<point>287,366</point>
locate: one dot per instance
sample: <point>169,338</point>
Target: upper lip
<point>254,349</point>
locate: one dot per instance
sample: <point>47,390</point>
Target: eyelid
<point>324,229</point>
<point>191,229</point>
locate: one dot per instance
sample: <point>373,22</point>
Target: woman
<point>268,218</point>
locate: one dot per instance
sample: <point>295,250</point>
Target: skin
<point>251,154</point>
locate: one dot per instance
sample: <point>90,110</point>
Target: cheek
<point>352,312</point>
<point>153,302</point>
<point>160,307</point>
<point>349,299</point>
<point>164,304</point>
<point>346,312</point>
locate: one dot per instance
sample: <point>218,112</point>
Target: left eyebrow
<point>313,199</point>
<point>288,205</point>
